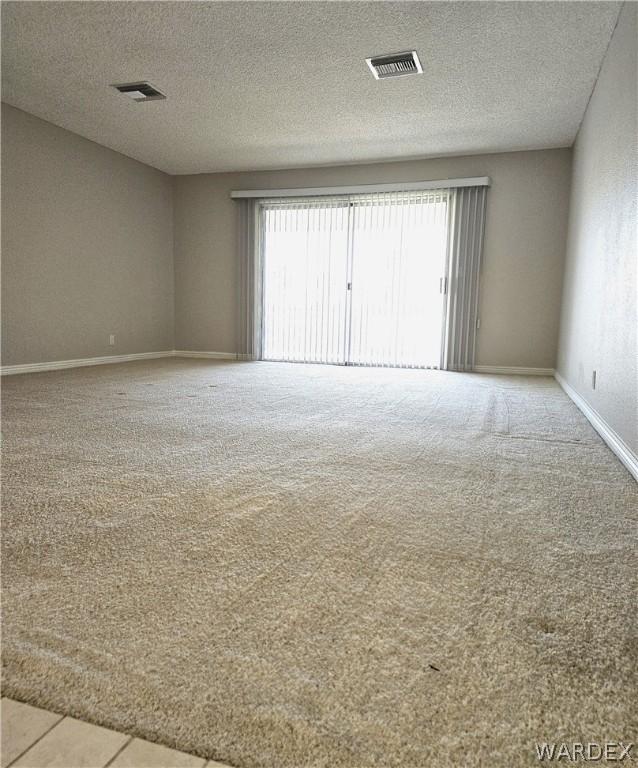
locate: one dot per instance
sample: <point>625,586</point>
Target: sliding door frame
<point>444,286</point>
<point>351,204</point>
<point>349,279</point>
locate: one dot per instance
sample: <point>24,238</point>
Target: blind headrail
<point>477,181</point>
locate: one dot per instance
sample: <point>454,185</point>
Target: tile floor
<point>35,738</point>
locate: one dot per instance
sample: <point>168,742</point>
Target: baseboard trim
<point>208,355</point>
<point>516,371</point>
<point>58,365</point>
<point>612,438</point>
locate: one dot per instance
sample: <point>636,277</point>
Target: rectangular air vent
<point>395,65</point>
<point>140,91</point>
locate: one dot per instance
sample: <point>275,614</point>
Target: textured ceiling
<point>254,85</point>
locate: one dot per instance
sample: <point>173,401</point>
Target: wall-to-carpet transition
<point>286,566</point>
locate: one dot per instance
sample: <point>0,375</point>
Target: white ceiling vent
<point>139,91</point>
<point>395,65</point>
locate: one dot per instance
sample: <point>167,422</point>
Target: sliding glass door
<point>356,280</point>
<point>398,262</point>
<point>305,267</point>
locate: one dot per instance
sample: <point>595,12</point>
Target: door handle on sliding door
<point>443,285</point>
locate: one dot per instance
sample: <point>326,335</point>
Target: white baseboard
<point>514,370</point>
<point>209,355</point>
<point>612,438</point>
<point>58,365</point>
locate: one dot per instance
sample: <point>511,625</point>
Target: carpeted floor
<point>287,566</point>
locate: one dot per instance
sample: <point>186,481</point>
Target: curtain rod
<point>478,181</point>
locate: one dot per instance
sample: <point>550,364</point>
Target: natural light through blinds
<point>305,261</point>
<point>355,279</point>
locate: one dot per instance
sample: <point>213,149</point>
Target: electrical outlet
<point>112,340</point>
<point>593,379</point>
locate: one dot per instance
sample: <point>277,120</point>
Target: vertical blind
<point>467,224</point>
<point>398,261</point>
<point>361,279</point>
<point>249,300</point>
<point>305,249</point>
<point>354,280</point>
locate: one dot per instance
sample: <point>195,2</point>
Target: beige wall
<point>87,247</point>
<point>524,247</point>
<point>599,322</point>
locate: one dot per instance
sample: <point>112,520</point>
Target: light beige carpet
<point>285,565</point>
